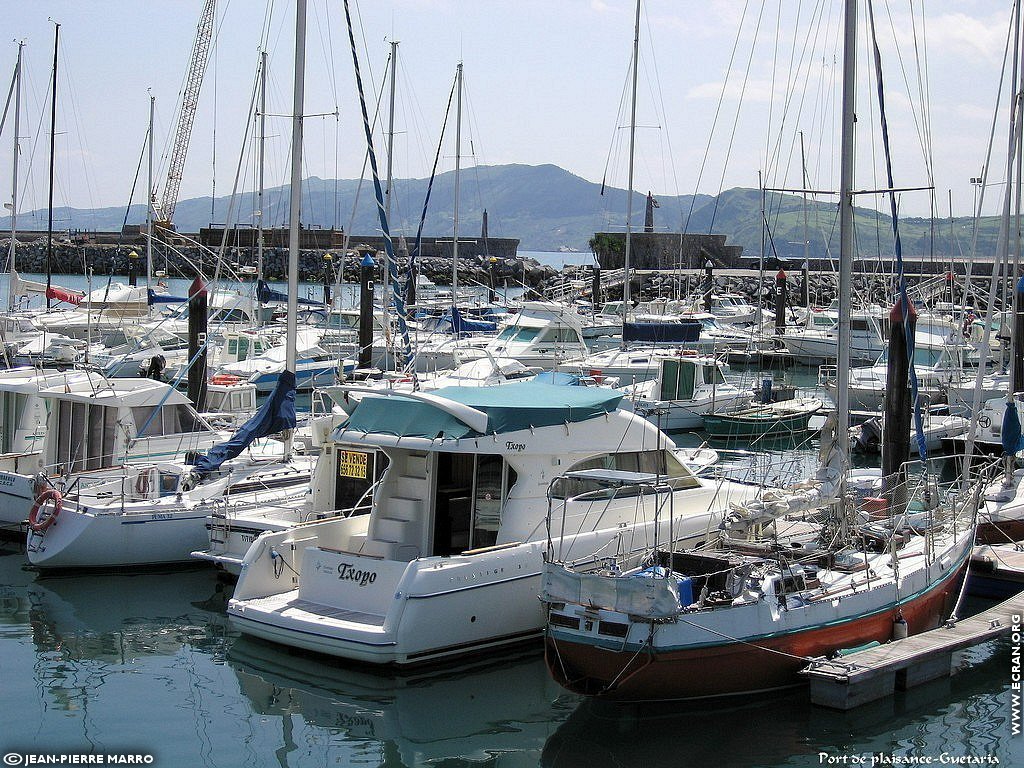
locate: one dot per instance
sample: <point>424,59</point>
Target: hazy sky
<point>726,87</point>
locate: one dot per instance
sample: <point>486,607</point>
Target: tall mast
<point>455,210</point>
<point>629,186</point>
<point>296,185</point>
<point>387,190</point>
<point>149,197</point>
<point>259,192</point>
<point>846,238</point>
<point>14,177</point>
<point>53,139</point>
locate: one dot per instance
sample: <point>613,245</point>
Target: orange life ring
<point>225,378</point>
<point>40,523</point>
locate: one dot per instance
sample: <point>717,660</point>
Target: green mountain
<point>548,208</point>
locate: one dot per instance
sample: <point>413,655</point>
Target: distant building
<point>664,250</point>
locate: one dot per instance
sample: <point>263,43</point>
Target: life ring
<point>40,522</point>
<point>225,378</point>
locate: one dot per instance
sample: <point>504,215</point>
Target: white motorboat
<point>683,390</point>
<point>448,561</point>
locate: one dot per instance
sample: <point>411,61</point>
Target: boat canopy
<point>509,408</point>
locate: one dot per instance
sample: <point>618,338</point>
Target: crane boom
<point>189,101</point>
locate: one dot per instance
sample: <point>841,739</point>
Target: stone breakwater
<point>873,289</point>
<point>188,262</point>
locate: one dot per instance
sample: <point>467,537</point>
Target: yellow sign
<point>352,464</point>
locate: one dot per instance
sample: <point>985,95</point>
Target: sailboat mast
<point>149,197</point>
<point>296,186</point>
<point>259,191</point>
<point>455,210</point>
<point>846,242</point>
<point>14,178</point>
<point>53,139</point>
<point>629,186</point>
<point>387,190</point>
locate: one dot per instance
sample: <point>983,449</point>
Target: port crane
<point>163,209</point>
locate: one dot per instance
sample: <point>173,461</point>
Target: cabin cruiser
<point>542,334</point>
<point>154,511</point>
<point>683,390</point>
<point>315,366</point>
<point>817,342</point>
<point>448,560</point>
<point>79,427</point>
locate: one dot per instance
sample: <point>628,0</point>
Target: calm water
<point>149,664</point>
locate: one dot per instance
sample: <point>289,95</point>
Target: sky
<point>728,90</point>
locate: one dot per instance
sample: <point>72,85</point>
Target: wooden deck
<point>872,674</point>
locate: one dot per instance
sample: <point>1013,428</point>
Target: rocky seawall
<point>188,262</point>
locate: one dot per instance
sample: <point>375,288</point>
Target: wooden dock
<point>868,675</point>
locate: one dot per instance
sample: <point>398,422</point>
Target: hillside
<point>547,208</point>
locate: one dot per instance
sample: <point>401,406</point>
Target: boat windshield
<point>662,463</point>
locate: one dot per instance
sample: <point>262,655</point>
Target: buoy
<point>899,627</point>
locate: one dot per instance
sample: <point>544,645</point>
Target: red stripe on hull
<point>736,667</point>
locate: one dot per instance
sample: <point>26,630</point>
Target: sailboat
<point>748,612</point>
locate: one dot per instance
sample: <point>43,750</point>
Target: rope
<point>396,285</point>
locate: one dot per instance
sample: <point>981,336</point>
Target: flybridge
<point>455,412</point>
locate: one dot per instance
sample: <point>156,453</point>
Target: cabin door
<point>470,492</point>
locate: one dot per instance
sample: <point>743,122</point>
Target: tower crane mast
<point>164,209</point>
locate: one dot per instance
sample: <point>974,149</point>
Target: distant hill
<point>547,208</point>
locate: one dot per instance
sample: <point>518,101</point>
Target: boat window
<point>170,420</point>
<point>507,334</point>
<point>713,375</point>
<point>560,335</point>
<point>824,322</point>
<point>12,406</point>
<point>657,462</point>
<point>677,379</point>
<point>527,334</point>
<point>85,436</point>
<point>858,324</point>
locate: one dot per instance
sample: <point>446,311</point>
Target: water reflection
<point>110,663</point>
<point>500,713</point>
<point>958,715</point>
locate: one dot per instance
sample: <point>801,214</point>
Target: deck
<point>872,674</point>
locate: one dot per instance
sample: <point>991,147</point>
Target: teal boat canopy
<point>509,408</point>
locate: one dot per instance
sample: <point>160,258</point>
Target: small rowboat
<point>779,419</point>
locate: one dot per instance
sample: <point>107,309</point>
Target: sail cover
<point>266,294</point>
<point>275,415</point>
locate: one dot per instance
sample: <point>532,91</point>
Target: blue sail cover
<point>266,294</point>
<point>164,298</point>
<point>275,415</point>
<point>664,333</point>
<point>462,325</point>
<point>1011,430</point>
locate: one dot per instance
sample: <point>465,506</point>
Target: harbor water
<point>148,664</point>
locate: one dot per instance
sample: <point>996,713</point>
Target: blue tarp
<point>462,325</point>
<point>678,333</point>
<point>164,298</point>
<point>265,294</point>
<point>509,408</point>
<point>275,415</point>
